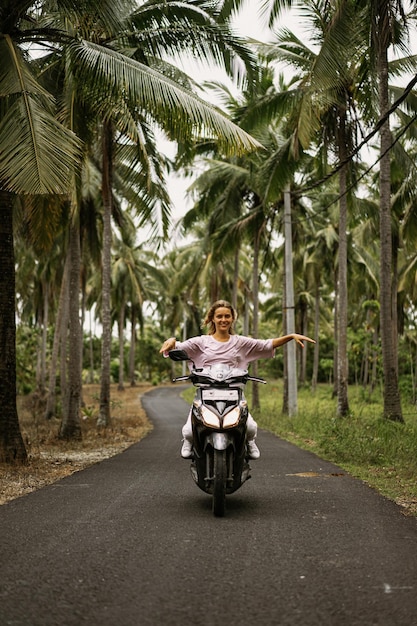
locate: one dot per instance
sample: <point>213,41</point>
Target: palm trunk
<point>366,355</point>
<point>388,299</point>
<point>91,347</point>
<point>255,389</point>
<point>284,409</point>
<point>63,335</point>
<point>132,348</point>
<point>12,448</point>
<point>303,353</point>
<point>335,334</point>
<point>342,358</point>
<point>51,398</point>
<point>71,424</point>
<point>246,315</point>
<point>104,414</point>
<point>41,373</point>
<point>121,384</point>
<point>316,334</point>
<point>235,278</point>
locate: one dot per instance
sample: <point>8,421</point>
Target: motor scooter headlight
<point>197,408</point>
<point>209,418</point>
<point>232,418</point>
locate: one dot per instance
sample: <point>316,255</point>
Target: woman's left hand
<point>301,338</point>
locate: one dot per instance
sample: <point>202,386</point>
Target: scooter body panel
<point>207,439</point>
<point>220,462</point>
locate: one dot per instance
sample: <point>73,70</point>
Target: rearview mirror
<point>178,355</point>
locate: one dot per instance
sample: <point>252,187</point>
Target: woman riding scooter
<point>222,345</point>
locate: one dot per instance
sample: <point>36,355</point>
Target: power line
<point>354,152</point>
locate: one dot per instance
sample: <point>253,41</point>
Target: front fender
<point>219,441</point>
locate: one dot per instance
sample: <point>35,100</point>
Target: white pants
<point>251,428</point>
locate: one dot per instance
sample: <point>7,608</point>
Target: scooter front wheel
<point>219,483</point>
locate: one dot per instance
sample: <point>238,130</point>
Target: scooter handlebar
<point>175,380</point>
<point>257,380</point>
<point>189,377</point>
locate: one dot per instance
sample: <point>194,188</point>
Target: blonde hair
<point>208,321</point>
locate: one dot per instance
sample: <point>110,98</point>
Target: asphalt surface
<point>132,541</point>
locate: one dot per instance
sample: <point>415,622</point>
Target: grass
<point>380,452</point>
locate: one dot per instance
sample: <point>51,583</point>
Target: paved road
<point>132,541</point>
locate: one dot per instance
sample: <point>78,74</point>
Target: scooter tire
<point>219,483</point>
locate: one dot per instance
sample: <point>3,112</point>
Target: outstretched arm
<point>280,341</point>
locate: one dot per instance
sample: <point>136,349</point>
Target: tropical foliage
<point>101,274</point>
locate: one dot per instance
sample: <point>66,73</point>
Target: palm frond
<point>274,8</point>
<point>154,94</point>
<point>171,27</point>
<point>37,154</point>
<point>107,16</point>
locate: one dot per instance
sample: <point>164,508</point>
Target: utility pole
<point>290,307</point>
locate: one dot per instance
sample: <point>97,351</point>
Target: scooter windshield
<point>221,372</point>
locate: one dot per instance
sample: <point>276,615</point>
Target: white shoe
<point>187,449</point>
<point>253,450</point>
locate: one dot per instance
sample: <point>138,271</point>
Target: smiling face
<point>223,319</point>
<point>220,318</point>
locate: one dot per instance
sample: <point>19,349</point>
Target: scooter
<point>220,461</point>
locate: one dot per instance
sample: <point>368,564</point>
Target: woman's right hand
<point>169,344</point>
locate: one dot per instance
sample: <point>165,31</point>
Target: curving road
<point>132,541</point>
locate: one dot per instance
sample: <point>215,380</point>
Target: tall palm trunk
<point>91,347</point>
<point>63,336</point>
<point>284,408</point>
<point>302,354</point>
<point>316,333</point>
<point>51,397</point>
<point>366,353</point>
<point>132,348</point>
<point>235,278</point>
<point>255,327</point>
<point>388,299</point>
<point>335,332</point>
<point>246,314</point>
<point>121,384</point>
<point>342,357</point>
<point>12,448</point>
<point>104,414</point>
<point>41,369</point>
<point>71,424</point>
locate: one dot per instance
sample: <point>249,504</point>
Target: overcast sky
<point>251,25</point>
<point>248,24</point>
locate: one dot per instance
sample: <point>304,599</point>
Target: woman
<point>221,345</point>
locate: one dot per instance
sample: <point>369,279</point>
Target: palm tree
<point>318,261</point>
<point>29,129</point>
<point>135,279</point>
<point>326,85</point>
<point>159,95</point>
<point>138,83</point>
<point>381,19</point>
<point>70,426</point>
<point>28,165</point>
<point>384,27</point>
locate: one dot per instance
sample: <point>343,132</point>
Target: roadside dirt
<point>51,459</point>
